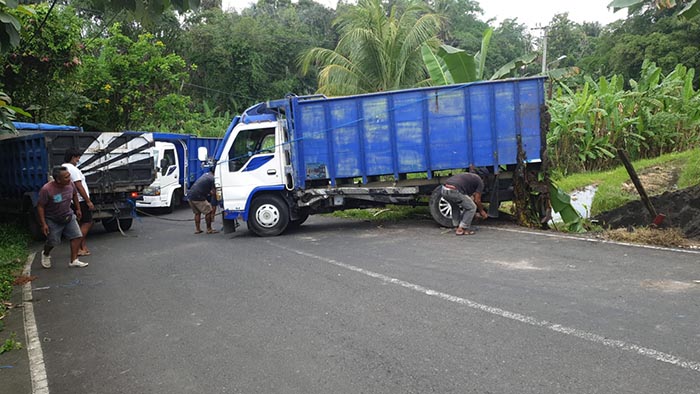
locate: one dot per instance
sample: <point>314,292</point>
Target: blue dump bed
<point>24,165</point>
<point>415,130</point>
<point>195,166</point>
<point>193,143</point>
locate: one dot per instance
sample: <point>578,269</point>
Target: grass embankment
<point>611,194</point>
<point>14,244</point>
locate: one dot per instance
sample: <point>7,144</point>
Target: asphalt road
<point>342,306</point>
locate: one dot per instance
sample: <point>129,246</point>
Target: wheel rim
<point>445,208</point>
<point>267,215</point>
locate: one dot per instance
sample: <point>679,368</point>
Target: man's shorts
<point>200,207</point>
<point>87,214</point>
<point>70,230</point>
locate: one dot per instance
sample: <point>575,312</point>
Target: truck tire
<point>33,225</point>
<point>111,225</point>
<point>440,209</point>
<point>268,216</point>
<point>175,201</point>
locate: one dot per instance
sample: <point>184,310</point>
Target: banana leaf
<point>462,66</point>
<point>561,204</point>
<point>437,69</point>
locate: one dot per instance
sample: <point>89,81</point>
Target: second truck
<point>175,158</point>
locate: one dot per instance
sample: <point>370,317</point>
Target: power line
<point>221,91</point>
<point>46,17</point>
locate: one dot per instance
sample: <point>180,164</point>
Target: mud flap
<point>230,225</point>
<point>493,200</point>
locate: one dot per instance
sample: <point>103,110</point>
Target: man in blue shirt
<point>200,190</point>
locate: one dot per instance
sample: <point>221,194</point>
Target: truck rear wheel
<point>440,209</point>
<point>112,225</point>
<point>268,216</point>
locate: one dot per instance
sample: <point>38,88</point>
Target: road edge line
<point>37,368</point>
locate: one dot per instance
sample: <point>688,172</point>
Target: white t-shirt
<point>75,176</point>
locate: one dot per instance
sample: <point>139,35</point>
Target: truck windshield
<point>248,143</point>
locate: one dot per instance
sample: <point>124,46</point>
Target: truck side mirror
<point>202,153</point>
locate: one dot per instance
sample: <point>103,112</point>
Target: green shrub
<point>13,251</point>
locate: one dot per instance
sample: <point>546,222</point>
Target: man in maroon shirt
<point>56,217</point>
<point>464,190</point>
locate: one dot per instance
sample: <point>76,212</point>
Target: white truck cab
<point>252,162</point>
<point>166,189</point>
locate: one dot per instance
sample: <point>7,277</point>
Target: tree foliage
<point>132,84</point>
<point>659,37</point>
<point>378,49</point>
<point>39,73</point>
<point>688,8</point>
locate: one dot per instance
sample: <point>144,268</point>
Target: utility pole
<point>545,30</point>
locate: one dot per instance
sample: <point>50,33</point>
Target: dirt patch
<point>656,180</point>
<point>651,236</point>
<point>22,279</point>
<point>681,207</point>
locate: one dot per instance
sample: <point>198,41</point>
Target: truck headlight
<point>151,191</point>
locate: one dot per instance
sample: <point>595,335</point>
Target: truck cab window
<point>167,161</point>
<point>249,143</point>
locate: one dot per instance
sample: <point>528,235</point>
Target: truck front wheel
<point>175,201</point>
<point>440,209</point>
<point>268,216</point>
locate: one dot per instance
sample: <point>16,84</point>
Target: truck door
<point>168,166</point>
<point>253,162</point>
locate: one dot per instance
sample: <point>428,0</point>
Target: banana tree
<point>453,65</point>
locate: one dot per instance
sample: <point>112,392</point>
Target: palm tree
<point>377,50</point>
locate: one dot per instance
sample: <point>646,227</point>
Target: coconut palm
<point>377,50</point>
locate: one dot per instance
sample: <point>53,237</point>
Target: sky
<point>529,12</point>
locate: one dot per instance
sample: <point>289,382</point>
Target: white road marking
<point>581,334</point>
<point>37,369</point>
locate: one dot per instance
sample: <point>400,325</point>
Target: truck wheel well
<point>285,196</point>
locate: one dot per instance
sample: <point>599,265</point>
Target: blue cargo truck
<point>116,165</point>
<point>284,160</point>
<point>177,167</point>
